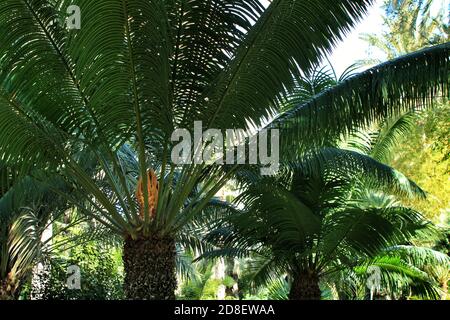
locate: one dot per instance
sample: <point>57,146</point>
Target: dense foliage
<point>86,124</point>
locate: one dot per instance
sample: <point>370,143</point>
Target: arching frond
<point>389,135</point>
<point>392,87</point>
<point>276,48</point>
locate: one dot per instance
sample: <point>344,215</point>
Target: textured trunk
<point>305,287</point>
<point>150,269</point>
<point>230,272</point>
<point>444,290</point>
<point>8,290</point>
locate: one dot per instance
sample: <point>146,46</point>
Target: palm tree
<point>360,151</point>
<point>136,71</point>
<point>409,271</point>
<point>400,272</point>
<point>404,271</point>
<point>411,26</point>
<point>309,223</point>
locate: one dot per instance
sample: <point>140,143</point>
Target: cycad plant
<point>307,222</point>
<point>337,174</point>
<point>397,272</point>
<point>406,272</point>
<point>137,70</point>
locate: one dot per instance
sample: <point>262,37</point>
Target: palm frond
<point>385,90</point>
<point>389,135</point>
<point>276,48</point>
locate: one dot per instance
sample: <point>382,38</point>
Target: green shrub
<point>101,275</point>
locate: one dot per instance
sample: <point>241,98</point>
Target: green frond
<point>420,257</point>
<point>278,289</point>
<point>407,270</point>
<point>265,269</point>
<point>276,48</point>
<point>385,90</point>
<point>27,138</point>
<point>368,231</point>
<point>26,208</point>
<point>331,164</point>
<point>205,37</point>
<point>390,133</point>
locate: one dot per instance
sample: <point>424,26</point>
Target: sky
<point>353,48</point>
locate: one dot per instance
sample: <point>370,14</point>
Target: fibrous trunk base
<point>149,269</point>
<point>305,287</point>
<point>7,289</point>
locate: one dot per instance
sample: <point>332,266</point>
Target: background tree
<point>411,25</point>
<point>377,143</point>
<point>424,156</point>
<point>308,222</point>
<point>423,152</point>
<point>27,209</point>
<point>405,272</point>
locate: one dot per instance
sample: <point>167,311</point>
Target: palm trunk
<point>8,290</point>
<point>150,269</point>
<point>444,289</point>
<point>305,287</point>
<point>230,272</point>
